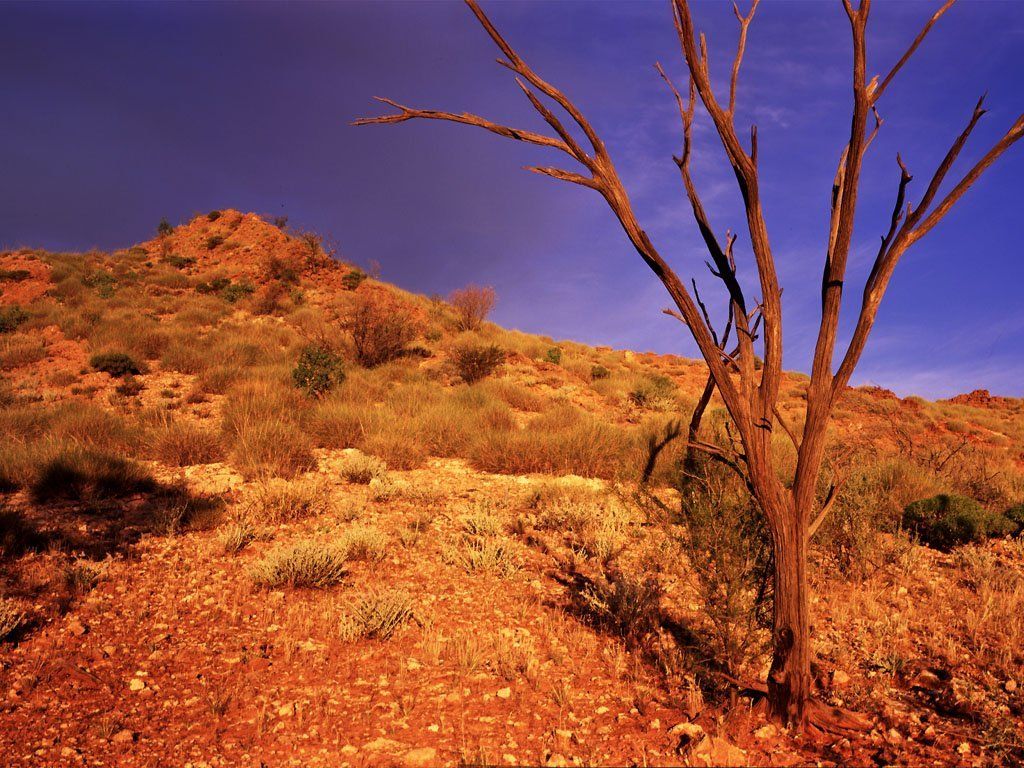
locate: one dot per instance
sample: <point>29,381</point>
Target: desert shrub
<point>102,282</point>
<point>311,564</point>
<point>178,262</point>
<point>472,304</point>
<point>727,546</point>
<point>946,521</point>
<point>130,386</point>
<point>81,577</point>
<point>353,279</point>
<point>628,606</point>
<point>1015,516</point>
<point>489,554</point>
<point>514,395</point>
<point>363,542</point>
<point>116,364</point>
<point>398,445</point>
<point>553,355</point>
<point>381,328</point>
<point>213,241</point>
<point>179,443</point>
<point>655,392</point>
<point>377,614</point>
<point>216,285</point>
<point>269,298</point>
<point>164,228</point>
<point>274,501</point>
<point>213,215</point>
<point>280,222</point>
<point>361,469</point>
<point>236,536</point>
<point>599,372</point>
<point>12,617</point>
<point>235,291</point>
<point>475,362</point>
<point>11,317</point>
<point>318,370</point>
<point>14,275</point>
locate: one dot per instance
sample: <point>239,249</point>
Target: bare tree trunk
<point>789,681</point>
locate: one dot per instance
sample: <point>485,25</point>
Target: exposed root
<point>826,719</point>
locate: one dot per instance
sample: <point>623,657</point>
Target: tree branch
<point>877,92</point>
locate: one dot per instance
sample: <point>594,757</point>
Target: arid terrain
<point>252,513</point>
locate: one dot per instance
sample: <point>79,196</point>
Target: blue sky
<point>119,114</point>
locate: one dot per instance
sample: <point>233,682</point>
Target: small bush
<point>84,473</point>
<point>14,275</point>
<point>353,279</point>
<point>236,536</point>
<point>655,392</point>
<point>318,371</point>
<point>213,215</point>
<point>363,542</point>
<point>945,521</point>
<point>116,364</point>
<point>489,554</point>
<point>472,304</point>
<point>236,291</point>
<point>376,615</point>
<point>178,262</point>
<point>381,329</point>
<point>474,363</point>
<point>80,578</point>
<point>553,355</point>
<point>629,607</point>
<point>164,228</point>
<point>362,469</point>
<point>213,241</point>
<point>311,564</point>
<point>1015,516</point>
<point>11,318</point>
<point>599,372</point>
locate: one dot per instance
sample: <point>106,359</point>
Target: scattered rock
<point>420,757</point>
<point>77,628</point>
<point>928,680</point>
<point>1010,686</point>
<point>557,761</point>
<point>766,732</point>
<point>840,679</point>
<point>689,733</point>
<point>137,684</point>
<point>655,725</point>
<point>383,745</point>
<point>602,710</point>
<point>123,737</point>
<point>716,751</point>
<point>504,693</point>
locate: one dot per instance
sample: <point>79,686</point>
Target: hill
<point>252,511</point>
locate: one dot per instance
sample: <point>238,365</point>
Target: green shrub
<point>352,279</point>
<point>216,285</point>
<point>475,362</point>
<point>11,318</point>
<point>553,355</point>
<point>117,364</point>
<point>1015,516</point>
<point>599,372</point>
<point>656,392</point>
<point>318,371</point>
<point>235,291</point>
<point>178,262</point>
<point>946,520</point>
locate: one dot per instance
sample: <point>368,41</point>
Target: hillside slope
<point>203,561</point>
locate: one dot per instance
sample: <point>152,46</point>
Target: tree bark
<point>789,680</point>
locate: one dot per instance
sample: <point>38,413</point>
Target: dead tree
<point>751,395</point>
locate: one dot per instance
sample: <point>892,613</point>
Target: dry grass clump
<point>361,469</point>
<point>236,536</point>
<point>381,327</point>
<point>12,617</point>
<point>180,443</point>
<point>376,614</point>
<point>490,554</point>
<point>311,564</point>
<point>514,395</point>
<point>335,423</point>
<point>561,441</point>
<point>363,542</point>
<point>274,501</point>
<point>20,349</point>
<point>262,433</point>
